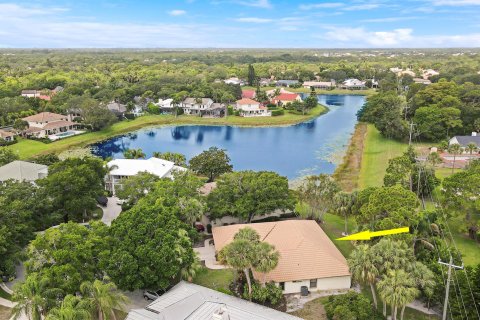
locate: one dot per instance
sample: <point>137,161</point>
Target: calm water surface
<point>311,147</point>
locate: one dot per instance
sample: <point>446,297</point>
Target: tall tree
<point>211,163</point>
<point>251,75</point>
<point>136,187</point>
<point>72,308</point>
<point>362,263</point>
<point>7,156</point>
<point>177,158</point>
<point>397,288</point>
<point>246,194</point>
<point>103,297</point>
<point>454,149</point>
<point>316,196</point>
<point>266,259</point>
<point>134,154</point>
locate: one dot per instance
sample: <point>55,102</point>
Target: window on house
<point>282,285</point>
<point>313,283</point>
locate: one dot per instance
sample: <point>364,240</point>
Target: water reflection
<point>309,147</point>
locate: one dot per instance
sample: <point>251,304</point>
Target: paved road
<point>111,211</point>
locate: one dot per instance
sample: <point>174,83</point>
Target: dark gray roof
<point>465,140</point>
<point>187,301</point>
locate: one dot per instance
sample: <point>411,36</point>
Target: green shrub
<point>230,111</point>
<point>351,306</point>
<point>4,143</point>
<point>269,294</point>
<point>237,113</point>
<point>279,112</point>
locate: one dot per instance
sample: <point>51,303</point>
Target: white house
<point>43,124</point>
<point>23,171</point>
<point>166,105</point>
<point>464,141</point>
<point>307,256</point>
<point>353,84</point>
<point>7,135</point>
<point>422,81</point>
<point>124,168</point>
<point>203,107</point>
<point>188,301</point>
<point>234,80</point>
<point>325,85</point>
<point>251,108</point>
<point>429,73</point>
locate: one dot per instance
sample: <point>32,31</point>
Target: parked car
<point>155,294</point>
<point>199,227</point>
<point>102,200</point>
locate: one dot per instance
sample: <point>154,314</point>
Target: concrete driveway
<point>207,254</point>
<point>111,211</point>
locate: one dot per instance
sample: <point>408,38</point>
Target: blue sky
<point>239,23</point>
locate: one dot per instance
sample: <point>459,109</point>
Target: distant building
<point>285,98</point>
<point>308,258</point>
<point>464,141</point>
<point>251,108</point>
<point>203,107</point>
<point>324,85</point>
<point>121,169</point>
<point>287,83</point>
<point>7,135</point>
<point>117,108</point>
<point>265,82</point>
<point>43,124</point>
<point>422,81</point>
<point>23,171</point>
<point>188,301</point>
<point>430,73</point>
<point>249,94</point>
<point>30,93</point>
<point>234,80</point>
<point>353,84</point>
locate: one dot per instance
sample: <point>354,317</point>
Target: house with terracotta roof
<point>308,258</point>
<point>251,108</point>
<point>285,98</point>
<point>6,135</point>
<point>43,124</point>
<point>249,94</point>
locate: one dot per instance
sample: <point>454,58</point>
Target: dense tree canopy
<point>211,163</point>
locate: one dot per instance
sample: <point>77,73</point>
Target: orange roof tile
<point>247,101</point>
<point>305,250</point>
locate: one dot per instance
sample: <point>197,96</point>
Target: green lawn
<point>334,226</point>
<point>215,279</point>
<point>28,148</point>
<point>4,294</point>
<point>376,153</point>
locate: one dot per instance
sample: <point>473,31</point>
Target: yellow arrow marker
<point>367,235</point>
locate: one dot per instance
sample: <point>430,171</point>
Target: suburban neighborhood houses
<point>48,124</point>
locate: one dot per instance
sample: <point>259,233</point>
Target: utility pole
<point>411,133</point>
<point>447,291</point>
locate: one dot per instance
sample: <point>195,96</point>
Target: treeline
<point>438,111</point>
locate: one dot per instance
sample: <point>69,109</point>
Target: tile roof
<point>45,117</point>
<point>305,250</point>
<point>6,134</point>
<point>247,101</point>
<point>187,301</point>
<point>286,97</point>
<point>250,94</point>
<point>58,124</point>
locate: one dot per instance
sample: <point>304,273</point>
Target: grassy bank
<point>348,172</point>
<point>28,148</point>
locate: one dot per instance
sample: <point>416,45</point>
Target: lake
<point>312,147</point>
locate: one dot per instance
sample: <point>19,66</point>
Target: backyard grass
<point>215,279</point>
<point>5,295</point>
<point>334,226</point>
<point>5,313</point>
<point>29,148</point>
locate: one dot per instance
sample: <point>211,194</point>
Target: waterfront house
<point>285,98</point>
<point>23,171</point>
<point>464,141</point>
<point>7,136</point>
<point>287,83</point>
<point>121,169</point>
<point>43,124</point>
<point>166,106</point>
<point>235,81</point>
<point>251,108</point>
<point>422,81</point>
<point>323,85</point>
<point>353,84</point>
<point>118,109</point>
<point>308,258</point>
<point>188,301</point>
<point>250,94</point>
<point>203,107</point>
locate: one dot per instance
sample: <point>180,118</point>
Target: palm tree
<point>239,254</point>
<point>343,205</point>
<point>398,289</point>
<point>363,268</point>
<point>454,149</point>
<point>425,280</point>
<point>33,298</point>
<point>72,308</point>
<point>266,259</point>
<point>103,297</point>
<point>434,159</point>
<point>191,209</point>
<point>134,154</point>
<point>189,273</point>
<point>471,147</point>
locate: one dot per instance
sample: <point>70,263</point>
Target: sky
<point>239,24</point>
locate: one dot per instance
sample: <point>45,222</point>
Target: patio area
<point>65,134</point>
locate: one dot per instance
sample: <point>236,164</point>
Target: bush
<point>230,111</point>
<point>129,116</point>
<point>279,112</point>
<point>237,113</point>
<point>44,140</point>
<point>4,143</point>
<point>296,112</point>
<point>269,294</point>
<point>272,106</point>
<point>351,306</point>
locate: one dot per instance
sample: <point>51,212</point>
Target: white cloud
<point>12,10</point>
<point>177,12</point>
<point>360,36</point>
<point>253,20</point>
<point>256,3</point>
<point>366,6</point>
<point>456,2</point>
<point>389,19</point>
<point>324,5</point>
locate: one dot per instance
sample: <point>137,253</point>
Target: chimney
<point>221,314</point>
<point>474,134</point>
